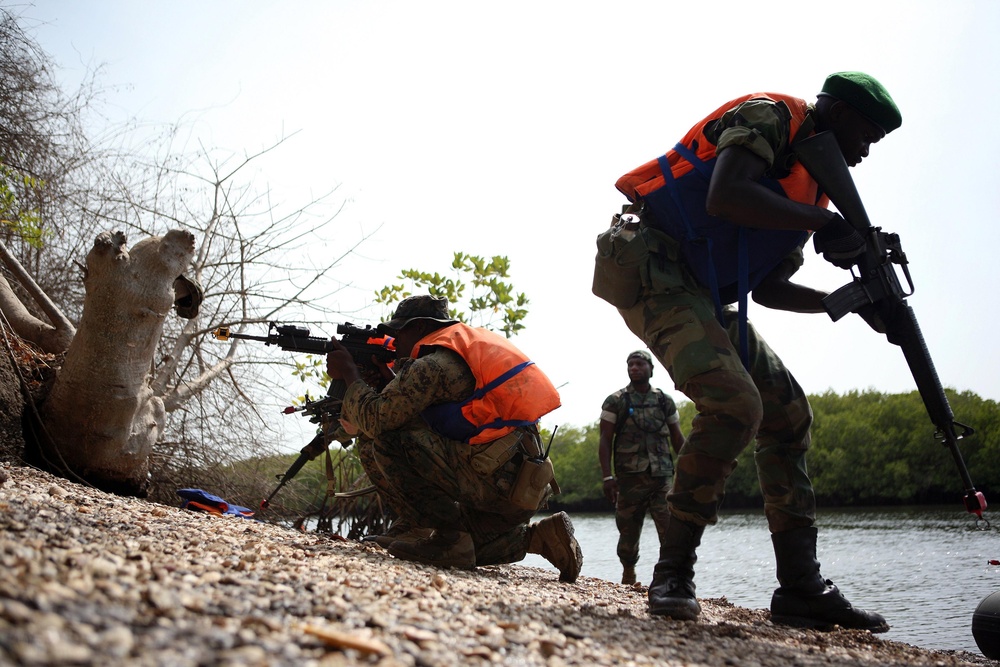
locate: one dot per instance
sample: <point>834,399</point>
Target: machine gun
<point>364,344</point>
<point>877,294</point>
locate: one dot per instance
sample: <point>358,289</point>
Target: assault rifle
<point>364,344</point>
<point>877,294</point>
<point>361,342</point>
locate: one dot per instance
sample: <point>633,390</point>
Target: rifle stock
<point>876,288</point>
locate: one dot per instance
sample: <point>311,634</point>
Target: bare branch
<point>50,338</point>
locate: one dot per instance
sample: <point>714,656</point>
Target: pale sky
<point>501,128</point>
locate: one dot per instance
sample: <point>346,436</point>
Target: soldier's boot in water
<point>807,600</point>
<point>671,592</point>
<point>552,538</point>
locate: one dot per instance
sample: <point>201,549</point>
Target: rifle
<point>877,294</point>
<point>363,343</point>
<point>359,341</point>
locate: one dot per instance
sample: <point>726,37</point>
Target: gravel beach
<point>89,578</point>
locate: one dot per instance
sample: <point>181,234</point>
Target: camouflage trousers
<point>675,319</point>
<point>429,481</point>
<point>637,494</point>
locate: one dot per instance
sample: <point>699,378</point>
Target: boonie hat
<point>420,307</point>
<point>642,354</point>
<point>865,94</point>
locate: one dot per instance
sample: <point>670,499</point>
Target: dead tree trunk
<point>101,418</point>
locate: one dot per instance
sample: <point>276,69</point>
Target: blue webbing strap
<point>500,423</point>
<point>691,156</point>
<point>479,393</point>
<point>713,282</point>
<point>743,283</point>
<point>489,386</point>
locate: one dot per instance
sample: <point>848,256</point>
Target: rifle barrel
<point>262,339</point>
<point>879,285</point>
<point>313,449</point>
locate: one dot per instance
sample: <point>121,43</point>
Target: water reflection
<point>924,569</point>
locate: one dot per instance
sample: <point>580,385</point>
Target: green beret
<point>867,96</point>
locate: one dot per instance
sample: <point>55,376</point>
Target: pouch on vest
<point>532,483</point>
<point>536,475</point>
<point>621,251</point>
<point>487,459</point>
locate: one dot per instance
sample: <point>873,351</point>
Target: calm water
<point>924,569</point>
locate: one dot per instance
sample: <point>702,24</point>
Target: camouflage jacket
<point>437,377</point>
<point>642,440</point>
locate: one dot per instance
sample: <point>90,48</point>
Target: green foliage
<point>871,447</point>
<point>479,285</point>
<point>574,458</point>
<point>250,480</point>
<point>982,450</point>
<point>867,448</point>
<point>22,221</point>
<point>311,368</point>
<point>483,299</point>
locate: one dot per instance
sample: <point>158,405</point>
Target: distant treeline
<point>868,448</point>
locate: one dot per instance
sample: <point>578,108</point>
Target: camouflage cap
<point>865,94</point>
<point>641,354</point>
<point>420,307</point>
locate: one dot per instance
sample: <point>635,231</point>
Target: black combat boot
<point>807,600</point>
<point>671,593</point>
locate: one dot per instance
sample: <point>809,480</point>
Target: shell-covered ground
<point>89,578</point>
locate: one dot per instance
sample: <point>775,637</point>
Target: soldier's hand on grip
<point>839,242</point>
<point>871,315</point>
<point>340,364</point>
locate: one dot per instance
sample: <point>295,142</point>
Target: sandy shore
<point>89,578</point>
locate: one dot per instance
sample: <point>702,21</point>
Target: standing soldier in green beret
<point>639,425</point>
<point>725,214</point>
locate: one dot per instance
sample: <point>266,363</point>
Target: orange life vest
<point>728,260</point>
<point>798,185</point>
<point>511,390</point>
<point>711,245</point>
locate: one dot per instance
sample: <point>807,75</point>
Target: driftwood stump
<point>101,418</point>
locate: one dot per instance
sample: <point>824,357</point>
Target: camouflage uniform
<point>675,318</point>
<point>642,464</point>
<point>429,479</point>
